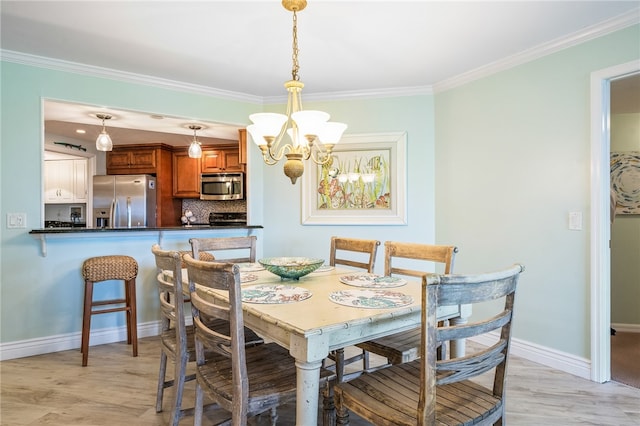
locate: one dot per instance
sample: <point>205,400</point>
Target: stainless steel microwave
<point>222,186</point>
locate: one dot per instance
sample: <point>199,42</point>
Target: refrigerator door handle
<point>128,212</point>
<point>112,214</point>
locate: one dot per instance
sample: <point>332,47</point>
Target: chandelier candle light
<point>312,135</point>
<point>103,142</point>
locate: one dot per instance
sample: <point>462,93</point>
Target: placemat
<point>247,278</point>
<point>371,298</point>
<point>324,268</point>
<point>250,267</point>
<point>274,294</point>
<point>372,281</point>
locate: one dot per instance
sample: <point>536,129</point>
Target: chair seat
<point>271,373</point>
<point>388,397</point>
<point>397,348</point>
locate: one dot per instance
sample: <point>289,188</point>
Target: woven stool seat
<point>107,268</point>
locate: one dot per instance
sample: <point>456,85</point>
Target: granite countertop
<point>137,229</point>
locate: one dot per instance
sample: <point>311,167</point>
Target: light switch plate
<point>575,221</point>
<point>16,220</point>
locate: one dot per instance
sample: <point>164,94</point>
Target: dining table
<point>323,311</point>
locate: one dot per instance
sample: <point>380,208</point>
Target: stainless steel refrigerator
<point>124,201</point>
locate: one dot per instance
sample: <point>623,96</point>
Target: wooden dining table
<point>311,328</point>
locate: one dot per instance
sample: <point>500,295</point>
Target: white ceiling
<point>347,48</point>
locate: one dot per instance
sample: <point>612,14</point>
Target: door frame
<point>600,264</point>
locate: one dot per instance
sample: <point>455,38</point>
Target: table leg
<point>457,347</point>
<point>308,383</point>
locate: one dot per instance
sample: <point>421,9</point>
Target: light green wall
<point>625,235</point>
<point>496,164</point>
<point>512,160</point>
<point>42,296</point>
<point>52,285</point>
<point>285,233</point>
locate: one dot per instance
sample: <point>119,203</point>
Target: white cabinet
<point>65,181</point>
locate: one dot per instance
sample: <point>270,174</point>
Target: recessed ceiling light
<point>81,131</point>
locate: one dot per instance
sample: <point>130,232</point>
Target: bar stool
<point>105,268</point>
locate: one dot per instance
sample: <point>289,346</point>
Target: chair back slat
<point>353,252</point>
<point>416,252</point>
<point>243,249</point>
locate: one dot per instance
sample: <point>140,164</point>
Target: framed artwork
<point>625,181</point>
<point>364,183</point>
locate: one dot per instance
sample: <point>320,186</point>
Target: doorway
<point>600,266</point>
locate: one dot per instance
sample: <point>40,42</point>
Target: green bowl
<point>291,267</point>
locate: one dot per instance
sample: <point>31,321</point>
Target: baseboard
<point>558,360</point>
<point>64,342</point>
<point>626,328</point>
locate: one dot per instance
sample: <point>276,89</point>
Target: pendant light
<point>195,149</point>
<point>104,143</point>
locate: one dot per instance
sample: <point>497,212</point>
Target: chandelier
<point>311,134</point>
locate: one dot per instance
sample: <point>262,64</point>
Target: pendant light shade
<point>195,149</point>
<point>103,142</point>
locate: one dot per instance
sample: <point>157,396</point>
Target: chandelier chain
<point>296,65</point>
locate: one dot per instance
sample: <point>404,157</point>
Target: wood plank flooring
<point>117,389</point>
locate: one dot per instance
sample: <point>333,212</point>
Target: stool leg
<point>132,315</point>
<point>127,309</point>
<point>86,321</point>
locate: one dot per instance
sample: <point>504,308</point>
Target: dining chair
<point>176,337</point>
<point>354,253</point>
<point>403,347</point>
<point>428,391</point>
<point>244,380</point>
<point>243,249</point>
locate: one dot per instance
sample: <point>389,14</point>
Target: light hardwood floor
<point>117,389</point>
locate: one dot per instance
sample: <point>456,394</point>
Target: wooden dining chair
<point>359,254</point>
<point>244,380</point>
<point>403,347</point>
<point>428,391</point>
<point>176,338</point>
<point>242,249</point>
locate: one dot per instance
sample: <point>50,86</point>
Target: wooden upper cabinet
<point>130,160</point>
<point>242,146</point>
<point>213,161</point>
<point>187,171</point>
<point>186,175</point>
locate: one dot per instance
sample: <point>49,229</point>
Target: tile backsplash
<point>202,208</point>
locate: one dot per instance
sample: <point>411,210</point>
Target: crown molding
<point>589,33</point>
<point>128,77</point>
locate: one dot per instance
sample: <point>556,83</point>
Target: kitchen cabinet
<point>65,181</point>
<point>126,160</point>
<point>150,159</point>
<point>186,175</point>
<point>187,171</point>
<point>242,147</point>
<point>213,161</point>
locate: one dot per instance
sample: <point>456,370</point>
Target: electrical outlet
<point>16,220</point>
